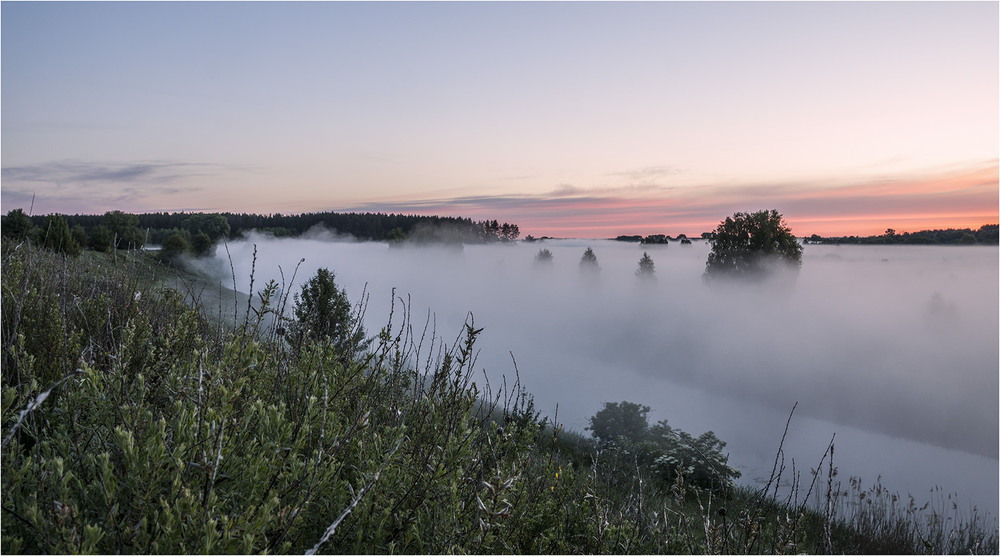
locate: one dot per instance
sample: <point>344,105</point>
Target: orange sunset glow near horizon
<point>966,198</point>
<point>570,119</point>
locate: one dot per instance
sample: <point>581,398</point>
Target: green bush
<point>664,451</point>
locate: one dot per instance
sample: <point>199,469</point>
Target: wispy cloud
<point>962,197</point>
<point>67,172</point>
<point>85,186</point>
<point>647,173</point>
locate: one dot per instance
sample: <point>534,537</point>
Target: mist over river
<point>894,348</point>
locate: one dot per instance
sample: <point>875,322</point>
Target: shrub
<point>665,451</point>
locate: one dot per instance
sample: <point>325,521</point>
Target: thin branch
<point>354,501</point>
<point>33,405</point>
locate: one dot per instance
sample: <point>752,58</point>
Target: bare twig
<point>33,405</point>
<point>354,501</point>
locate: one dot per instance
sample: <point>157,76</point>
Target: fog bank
<point>893,348</point>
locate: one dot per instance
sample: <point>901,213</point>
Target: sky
<point>570,119</point>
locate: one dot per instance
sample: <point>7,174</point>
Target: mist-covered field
<point>893,349</point>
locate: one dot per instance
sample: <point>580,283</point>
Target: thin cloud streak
<point>74,186</point>
<point>960,198</point>
<point>72,171</point>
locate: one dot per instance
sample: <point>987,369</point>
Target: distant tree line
<point>72,234</point>
<point>655,239</point>
<point>197,233</point>
<point>987,234</point>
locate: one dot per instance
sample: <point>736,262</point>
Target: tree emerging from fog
<point>543,258</point>
<point>323,312</point>
<point>588,262</point>
<point>751,245</point>
<point>647,269</point>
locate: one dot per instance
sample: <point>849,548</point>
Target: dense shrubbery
<point>133,424</point>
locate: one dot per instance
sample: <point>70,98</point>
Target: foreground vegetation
<point>134,421</point>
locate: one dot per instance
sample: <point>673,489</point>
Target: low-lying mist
<point>894,349</point>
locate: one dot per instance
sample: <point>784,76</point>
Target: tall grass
<point>135,422</point>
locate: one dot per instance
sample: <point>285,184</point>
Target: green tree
<point>395,236</point>
<point>509,232</point>
<point>214,225</point>
<point>174,245</point>
<point>79,235</point>
<point>323,312</point>
<point>988,233</point>
<point>619,422</point>
<point>99,238</point>
<point>58,237</point>
<point>124,228</point>
<point>751,245</point>
<point>647,269</point>
<point>17,225</point>
<point>201,244</point>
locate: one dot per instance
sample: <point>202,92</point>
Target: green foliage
<point>124,228</point>
<point>175,245</point>
<point>58,237</point>
<point>985,235</point>
<point>215,226</point>
<point>183,443</point>
<point>395,235</point>
<point>16,225</point>
<point>750,245</point>
<point>79,236</point>
<point>202,244</point>
<point>666,452</point>
<point>323,312</point>
<point>100,238</point>
<point>620,422</point>
<point>699,460</point>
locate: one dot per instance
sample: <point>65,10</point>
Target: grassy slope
<point>170,430</point>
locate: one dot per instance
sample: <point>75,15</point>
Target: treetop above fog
<point>751,245</point>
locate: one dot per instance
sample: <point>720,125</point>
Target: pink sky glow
<point>570,119</point>
<point>966,198</point>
